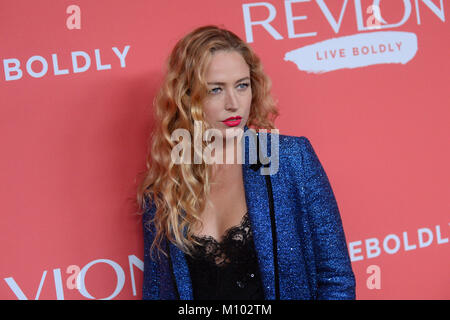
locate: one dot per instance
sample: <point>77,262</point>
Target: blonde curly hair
<point>179,191</point>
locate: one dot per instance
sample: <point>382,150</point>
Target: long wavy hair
<point>180,191</point>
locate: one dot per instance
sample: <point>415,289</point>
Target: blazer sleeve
<point>335,278</point>
<point>150,288</point>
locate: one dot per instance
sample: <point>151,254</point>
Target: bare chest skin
<point>228,204</point>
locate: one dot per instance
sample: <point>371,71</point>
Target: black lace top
<point>226,270</point>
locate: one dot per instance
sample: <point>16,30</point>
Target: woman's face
<point>229,92</point>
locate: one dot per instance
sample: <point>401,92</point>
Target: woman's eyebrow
<point>222,83</point>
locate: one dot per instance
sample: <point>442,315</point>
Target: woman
<point>217,230</point>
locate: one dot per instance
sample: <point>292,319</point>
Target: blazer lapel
<point>258,207</point>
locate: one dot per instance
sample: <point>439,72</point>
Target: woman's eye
<point>243,85</point>
<point>214,90</point>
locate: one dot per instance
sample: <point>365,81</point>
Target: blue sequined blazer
<point>297,231</point>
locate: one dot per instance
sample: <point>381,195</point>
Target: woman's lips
<point>233,122</point>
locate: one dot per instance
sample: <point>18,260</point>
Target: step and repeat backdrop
<point>366,81</point>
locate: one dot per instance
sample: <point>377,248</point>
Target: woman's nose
<point>231,101</point>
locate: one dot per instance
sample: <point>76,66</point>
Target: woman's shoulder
<point>288,139</point>
<point>293,145</point>
<point>295,151</point>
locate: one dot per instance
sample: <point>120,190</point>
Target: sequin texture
<point>312,255</point>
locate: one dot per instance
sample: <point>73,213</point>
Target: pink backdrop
<point>374,102</point>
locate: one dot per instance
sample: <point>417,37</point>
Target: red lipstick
<point>232,121</point>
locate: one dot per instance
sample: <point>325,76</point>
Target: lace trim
<point>227,232</point>
<point>232,247</point>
